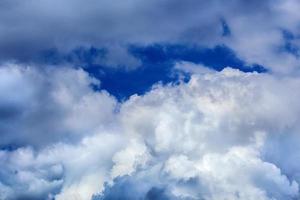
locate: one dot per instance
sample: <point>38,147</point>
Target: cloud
<point>220,135</point>
<point>23,177</point>
<point>207,139</point>
<point>227,134</point>
<point>44,105</point>
<point>256,28</point>
<point>191,68</point>
<point>63,171</point>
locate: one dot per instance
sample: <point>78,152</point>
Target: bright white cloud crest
<point>222,135</point>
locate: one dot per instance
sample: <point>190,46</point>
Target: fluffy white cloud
<point>258,33</point>
<point>211,138</point>
<point>40,106</point>
<point>67,171</point>
<point>22,176</point>
<point>225,134</point>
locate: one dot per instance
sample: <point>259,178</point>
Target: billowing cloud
<point>225,134</point>
<point>62,99</point>
<point>255,29</point>
<point>212,135</point>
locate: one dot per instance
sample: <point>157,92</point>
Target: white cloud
<point>211,136</point>
<point>191,68</point>
<point>43,105</point>
<point>225,134</point>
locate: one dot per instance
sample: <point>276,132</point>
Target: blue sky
<point>156,65</point>
<point>152,100</point>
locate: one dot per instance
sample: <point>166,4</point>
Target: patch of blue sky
<point>225,28</point>
<point>157,62</point>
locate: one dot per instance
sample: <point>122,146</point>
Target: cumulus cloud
<point>23,177</point>
<point>62,171</point>
<point>225,134</point>
<point>255,28</point>
<point>220,135</point>
<point>40,106</point>
<point>208,140</point>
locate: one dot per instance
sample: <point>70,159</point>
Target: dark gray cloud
<point>131,188</point>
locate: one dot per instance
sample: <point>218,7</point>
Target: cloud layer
<point>262,32</point>
<point>225,134</point>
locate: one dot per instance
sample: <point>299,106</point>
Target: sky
<point>149,100</point>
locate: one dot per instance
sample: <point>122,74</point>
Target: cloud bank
<point>207,134</point>
<point>262,32</point>
<point>221,135</point>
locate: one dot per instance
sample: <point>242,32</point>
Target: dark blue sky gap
<point>226,30</point>
<point>157,65</point>
<point>289,46</point>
